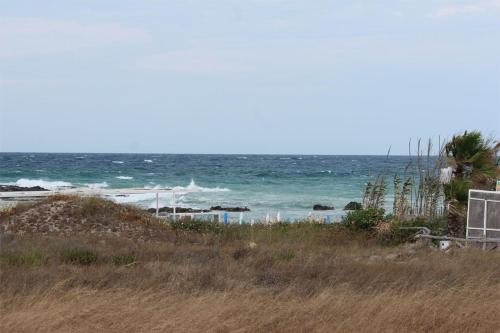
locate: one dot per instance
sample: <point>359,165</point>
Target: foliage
<point>123,259</point>
<point>197,226</point>
<point>32,258</point>
<point>399,231</point>
<point>401,204</point>
<point>78,256</point>
<point>374,196</point>
<point>364,219</point>
<point>474,164</point>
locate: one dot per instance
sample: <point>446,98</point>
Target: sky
<point>254,76</point>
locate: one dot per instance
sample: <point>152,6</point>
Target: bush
<point>79,256</point>
<point>402,231</point>
<point>364,219</point>
<point>123,259</point>
<point>29,259</point>
<point>198,226</point>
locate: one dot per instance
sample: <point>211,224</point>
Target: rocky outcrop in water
<point>177,210</point>
<point>15,188</point>
<point>322,207</point>
<point>230,209</point>
<point>353,205</point>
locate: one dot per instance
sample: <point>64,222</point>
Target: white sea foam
<point>192,187</point>
<point>97,185</point>
<point>49,185</point>
<point>118,162</point>
<point>124,177</point>
<point>148,161</point>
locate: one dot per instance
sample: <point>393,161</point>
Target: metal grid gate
<point>483,215</point>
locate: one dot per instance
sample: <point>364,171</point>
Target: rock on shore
<point>353,205</point>
<point>230,209</point>
<point>322,207</point>
<point>15,188</point>
<point>177,210</point>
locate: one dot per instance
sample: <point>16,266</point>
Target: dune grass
<point>285,278</point>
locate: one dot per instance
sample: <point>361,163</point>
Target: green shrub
<point>198,226</point>
<point>79,256</point>
<point>364,219</point>
<point>29,259</point>
<point>123,259</point>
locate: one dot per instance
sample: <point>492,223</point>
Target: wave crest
<point>192,187</point>
<point>49,185</point>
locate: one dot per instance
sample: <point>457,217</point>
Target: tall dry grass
<point>225,286</point>
<point>337,309</point>
<point>282,278</point>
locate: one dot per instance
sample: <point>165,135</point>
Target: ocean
<point>267,184</point>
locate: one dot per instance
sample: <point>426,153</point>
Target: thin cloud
<point>34,36</point>
<point>195,61</point>
<point>465,9</point>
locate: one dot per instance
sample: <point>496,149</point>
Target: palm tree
<point>474,163</point>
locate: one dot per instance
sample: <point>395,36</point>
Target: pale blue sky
<point>255,76</point>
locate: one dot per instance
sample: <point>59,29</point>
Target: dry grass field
<point>193,277</point>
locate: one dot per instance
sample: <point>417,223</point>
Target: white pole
<point>157,205</point>
<point>173,202</point>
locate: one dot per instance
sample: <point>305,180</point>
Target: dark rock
<point>353,205</point>
<point>14,188</point>
<point>322,207</point>
<point>177,210</point>
<point>231,209</point>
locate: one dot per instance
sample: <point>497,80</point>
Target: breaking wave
<point>192,187</point>
<point>49,185</point>
<point>97,185</point>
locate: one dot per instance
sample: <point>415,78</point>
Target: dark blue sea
<point>267,184</point>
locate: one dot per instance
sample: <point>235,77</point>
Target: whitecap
<point>192,187</point>
<point>124,177</point>
<point>118,162</point>
<point>148,161</point>
<point>97,185</point>
<point>50,185</point>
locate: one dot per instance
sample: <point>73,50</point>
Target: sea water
<point>267,184</point>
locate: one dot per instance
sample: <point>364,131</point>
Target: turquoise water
<point>267,184</point>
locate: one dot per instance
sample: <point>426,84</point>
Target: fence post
<point>157,204</point>
<point>173,202</point>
